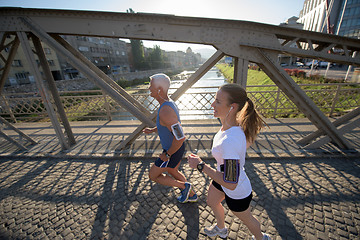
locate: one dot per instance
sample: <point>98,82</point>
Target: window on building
<point>47,51</point>
<point>51,62</point>
<point>352,11</point>
<point>343,24</point>
<point>94,49</point>
<point>22,75</point>
<point>83,49</point>
<point>81,38</point>
<point>17,63</point>
<point>357,11</point>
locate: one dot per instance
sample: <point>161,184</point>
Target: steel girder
<point>231,33</point>
<point>13,45</point>
<point>53,90</point>
<point>299,97</point>
<point>239,39</point>
<point>19,132</point>
<point>44,93</point>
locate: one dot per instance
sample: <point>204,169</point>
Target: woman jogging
<point>240,126</point>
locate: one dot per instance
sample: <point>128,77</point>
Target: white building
<point>340,17</point>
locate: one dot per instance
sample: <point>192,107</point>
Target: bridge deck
<point>101,138</point>
<point>90,192</point>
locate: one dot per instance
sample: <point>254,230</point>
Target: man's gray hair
<point>161,80</point>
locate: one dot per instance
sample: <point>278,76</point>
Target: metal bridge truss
<point>244,41</point>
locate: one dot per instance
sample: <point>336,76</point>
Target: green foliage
<point>137,49</point>
<point>155,58</point>
<point>126,84</point>
<point>256,77</point>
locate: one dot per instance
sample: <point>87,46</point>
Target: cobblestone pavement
<point>102,139</point>
<point>94,198</point>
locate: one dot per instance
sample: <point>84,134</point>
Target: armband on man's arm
<point>177,131</point>
<point>231,170</point>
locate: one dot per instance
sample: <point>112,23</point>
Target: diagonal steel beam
<point>347,117</point>
<point>43,91</point>
<point>321,52</point>
<point>302,101</point>
<point>52,87</point>
<point>8,62</point>
<point>9,125</point>
<point>86,71</point>
<point>344,129</point>
<point>177,94</point>
<point>11,140</point>
<point>100,73</point>
<point>198,74</point>
<point>8,108</point>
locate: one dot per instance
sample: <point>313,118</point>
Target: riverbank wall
<point>83,83</point>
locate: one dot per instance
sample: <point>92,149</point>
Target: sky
<point>264,11</point>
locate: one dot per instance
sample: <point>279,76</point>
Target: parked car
<point>309,64</point>
<point>324,64</point>
<point>299,64</point>
<point>318,64</point>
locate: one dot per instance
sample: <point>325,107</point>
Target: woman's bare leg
<point>251,222</point>
<point>214,199</point>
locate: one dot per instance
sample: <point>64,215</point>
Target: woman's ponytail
<point>250,121</point>
<point>247,117</point>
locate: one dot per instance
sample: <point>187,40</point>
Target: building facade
<point>108,54</point>
<point>20,68</point>
<point>340,17</point>
<point>112,56</point>
<point>180,59</point>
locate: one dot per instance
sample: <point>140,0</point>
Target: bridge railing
<point>332,99</point>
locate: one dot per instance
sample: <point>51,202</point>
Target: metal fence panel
<point>332,99</point>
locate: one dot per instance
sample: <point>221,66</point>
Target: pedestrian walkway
<point>96,198</point>
<point>94,191</point>
<point>102,139</point>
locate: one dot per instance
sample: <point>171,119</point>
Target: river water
<point>194,104</point>
<point>213,79</point>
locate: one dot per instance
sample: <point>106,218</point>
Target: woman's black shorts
<point>235,205</point>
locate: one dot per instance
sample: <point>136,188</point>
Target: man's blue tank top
<point>166,136</point>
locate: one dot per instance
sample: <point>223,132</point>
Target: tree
<point>156,59</point>
<point>137,50</point>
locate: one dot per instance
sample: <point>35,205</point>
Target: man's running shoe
<point>185,193</point>
<point>214,230</point>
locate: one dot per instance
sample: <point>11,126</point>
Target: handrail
<point>332,99</point>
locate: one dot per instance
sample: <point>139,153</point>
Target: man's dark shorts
<point>174,159</point>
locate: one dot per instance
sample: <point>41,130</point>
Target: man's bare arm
<point>168,118</point>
